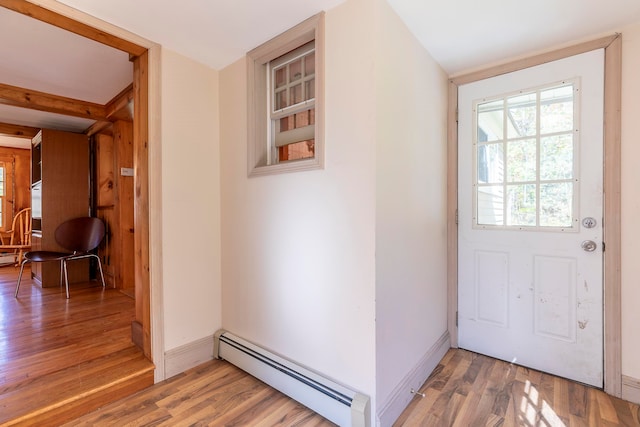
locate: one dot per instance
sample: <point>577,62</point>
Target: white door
<point>530,217</point>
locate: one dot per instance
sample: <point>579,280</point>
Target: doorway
<point>529,192</point>
<point>611,274</point>
<point>140,52</point>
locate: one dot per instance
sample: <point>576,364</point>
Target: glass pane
<point>522,115</point>
<point>296,94</point>
<point>556,202</point>
<point>286,123</point>
<point>490,121</point>
<point>310,89</point>
<point>281,100</point>
<point>490,205</point>
<point>297,151</point>
<point>556,110</point>
<point>556,157</point>
<point>521,160</point>
<point>521,205</point>
<point>280,77</point>
<point>295,70</point>
<point>310,64</point>
<point>302,119</point>
<point>490,164</point>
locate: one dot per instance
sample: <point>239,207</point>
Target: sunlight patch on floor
<point>537,412</point>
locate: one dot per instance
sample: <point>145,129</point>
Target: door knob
<point>589,245</point>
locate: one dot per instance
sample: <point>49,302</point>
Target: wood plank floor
<point>215,393</point>
<point>466,389</point>
<point>55,353</point>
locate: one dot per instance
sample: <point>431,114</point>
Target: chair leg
<point>20,277</point>
<point>100,269</point>
<point>66,276</point>
<point>61,271</point>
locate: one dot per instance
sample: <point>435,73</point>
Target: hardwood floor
<point>61,358</point>
<point>466,389</point>
<point>215,393</point>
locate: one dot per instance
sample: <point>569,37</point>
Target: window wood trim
<point>612,183</point>
<point>257,100</point>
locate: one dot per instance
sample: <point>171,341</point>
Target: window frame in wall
<point>262,150</point>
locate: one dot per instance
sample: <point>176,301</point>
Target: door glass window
<point>525,147</point>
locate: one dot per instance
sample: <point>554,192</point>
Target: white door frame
<point>611,224</point>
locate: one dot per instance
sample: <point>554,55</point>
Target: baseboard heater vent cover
<point>324,396</point>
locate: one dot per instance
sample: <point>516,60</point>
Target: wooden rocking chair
<point>17,241</point>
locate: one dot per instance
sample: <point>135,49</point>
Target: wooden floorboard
<point>215,393</point>
<point>60,358</point>
<point>465,389</point>
<point>468,389</point>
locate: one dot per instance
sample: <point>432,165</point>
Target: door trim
<point>612,183</point>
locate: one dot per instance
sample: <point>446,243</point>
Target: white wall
<point>298,248</point>
<point>411,247</point>
<point>630,201</point>
<point>190,200</point>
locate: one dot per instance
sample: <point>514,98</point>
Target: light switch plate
<point>126,171</point>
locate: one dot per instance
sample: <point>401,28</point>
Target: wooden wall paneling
<point>106,248</point>
<point>141,328</point>
<point>22,170</point>
<point>8,208</point>
<point>124,242</point>
<point>65,195</point>
<point>17,181</point>
<point>105,200</point>
<point>105,195</point>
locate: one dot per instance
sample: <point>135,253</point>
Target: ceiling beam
<point>18,131</point>
<point>61,21</point>
<point>19,97</point>
<point>121,106</point>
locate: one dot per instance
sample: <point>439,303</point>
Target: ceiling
<point>459,34</point>
<point>41,57</point>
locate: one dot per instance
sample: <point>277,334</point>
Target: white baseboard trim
<point>401,395</point>
<point>631,389</point>
<point>187,356</point>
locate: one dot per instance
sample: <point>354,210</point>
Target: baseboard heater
<point>322,395</point>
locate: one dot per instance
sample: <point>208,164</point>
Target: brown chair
<point>78,235</point>
<point>17,240</point>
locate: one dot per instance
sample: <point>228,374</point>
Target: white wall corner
<point>631,389</point>
<point>401,396</point>
<point>187,356</point>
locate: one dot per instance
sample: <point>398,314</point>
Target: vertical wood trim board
<point>452,208</point>
<point>141,201</point>
<point>612,217</point>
